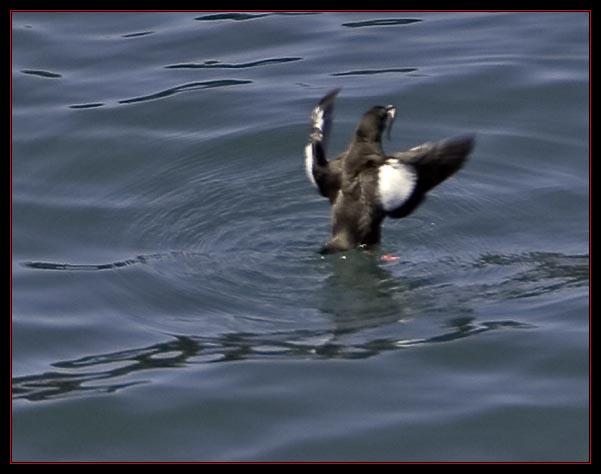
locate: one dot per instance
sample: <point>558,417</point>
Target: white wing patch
<point>396,183</point>
<point>309,163</point>
<point>318,120</point>
<point>423,146</point>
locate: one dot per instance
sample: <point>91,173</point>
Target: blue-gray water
<point>168,300</point>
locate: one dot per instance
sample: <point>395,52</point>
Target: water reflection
<point>360,293</point>
<point>109,372</point>
<point>370,311</point>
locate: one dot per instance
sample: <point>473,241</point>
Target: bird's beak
<point>390,115</point>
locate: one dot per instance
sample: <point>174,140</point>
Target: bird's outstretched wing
<point>325,175</point>
<point>419,170</point>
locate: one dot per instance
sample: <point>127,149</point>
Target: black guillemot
<point>363,184</point>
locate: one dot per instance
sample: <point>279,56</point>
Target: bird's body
<point>363,184</point>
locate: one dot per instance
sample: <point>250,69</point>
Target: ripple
<point>368,72</point>
<point>186,87</point>
<point>228,251</point>
<point>382,22</point>
<point>40,73</point>
<point>91,105</point>
<point>297,13</point>
<point>231,16</point>
<point>82,267</point>
<point>110,372</point>
<point>218,65</point>
<point>137,35</point>
<point>539,273</point>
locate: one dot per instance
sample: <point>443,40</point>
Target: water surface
<point>169,303</point>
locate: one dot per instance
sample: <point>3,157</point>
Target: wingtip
<point>466,142</point>
<point>329,97</point>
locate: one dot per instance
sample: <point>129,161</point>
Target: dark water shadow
<point>371,72</point>
<point>219,65</point>
<point>382,22</point>
<point>192,86</point>
<point>40,73</point>
<point>92,105</point>
<point>250,16</point>
<point>185,88</point>
<point>91,267</point>
<point>231,16</point>
<point>297,13</point>
<point>137,35</point>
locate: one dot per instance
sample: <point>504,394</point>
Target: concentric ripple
<point>232,254</point>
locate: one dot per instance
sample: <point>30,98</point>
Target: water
<point>168,300</point>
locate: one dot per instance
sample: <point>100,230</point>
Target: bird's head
<point>374,122</point>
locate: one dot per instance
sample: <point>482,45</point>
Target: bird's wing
<point>407,176</point>
<point>435,162</point>
<point>325,175</point>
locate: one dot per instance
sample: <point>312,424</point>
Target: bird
<point>363,184</point>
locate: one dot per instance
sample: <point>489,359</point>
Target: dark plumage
<point>363,184</point>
